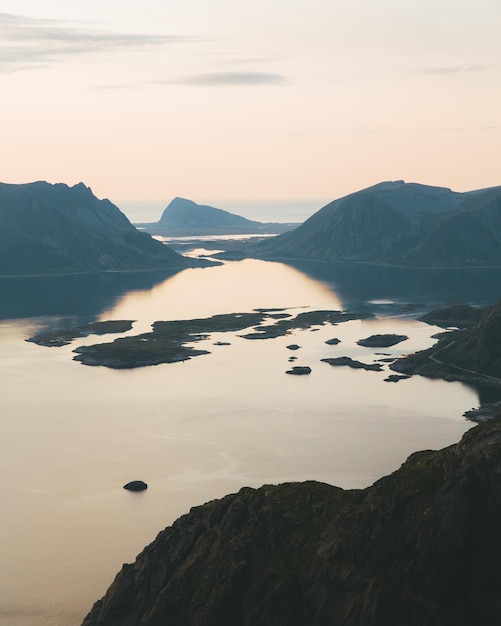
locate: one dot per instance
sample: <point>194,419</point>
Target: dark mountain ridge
<point>400,224</point>
<point>419,547</point>
<point>185,217</point>
<point>57,229</point>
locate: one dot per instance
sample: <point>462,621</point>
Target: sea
<point>291,210</point>
<point>72,435</point>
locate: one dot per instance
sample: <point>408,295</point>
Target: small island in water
<point>167,342</point>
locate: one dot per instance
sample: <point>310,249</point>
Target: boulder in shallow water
<point>349,362</point>
<point>299,370</point>
<point>394,378</point>
<point>136,485</point>
<point>333,342</point>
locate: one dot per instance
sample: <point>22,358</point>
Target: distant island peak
<point>184,217</point>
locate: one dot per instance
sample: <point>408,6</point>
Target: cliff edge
<point>421,546</point>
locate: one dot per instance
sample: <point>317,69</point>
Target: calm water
<point>72,435</point>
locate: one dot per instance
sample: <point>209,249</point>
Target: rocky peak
<point>57,229</point>
<point>402,224</point>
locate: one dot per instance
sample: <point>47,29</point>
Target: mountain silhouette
<point>57,229</point>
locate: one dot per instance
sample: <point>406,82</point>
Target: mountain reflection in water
<point>86,296</point>
<point>364,283</point>
<point>82,295</point>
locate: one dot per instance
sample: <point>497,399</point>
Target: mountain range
<point>399,224</point>
<point>421,546</point>
<point>184,217</point>
<point>57,229</point>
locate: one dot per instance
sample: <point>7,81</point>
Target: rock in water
<point>299,370</point>
<point>382,341</point>
<point>395,378</point>
<point>349,362</point>
<point>136,485</point>
<point>333,342</point>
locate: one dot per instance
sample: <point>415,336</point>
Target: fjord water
<point>72,435</point>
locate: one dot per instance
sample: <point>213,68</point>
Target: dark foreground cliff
<point>420,547</point>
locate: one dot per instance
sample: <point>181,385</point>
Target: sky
<point>249,105</point>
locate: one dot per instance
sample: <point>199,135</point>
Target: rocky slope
<point>421,546</point>
<point>56,229</point>
<point>185,217</point>
<point>469,355</point>
<point>457,315</point>
<point>402,224</point>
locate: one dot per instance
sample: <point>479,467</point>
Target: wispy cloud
<point>27,43</point>
<point>211,79</point>
<point>459,69</point>
<point>217,79</point>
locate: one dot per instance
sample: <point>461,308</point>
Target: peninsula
<point>469,354</point>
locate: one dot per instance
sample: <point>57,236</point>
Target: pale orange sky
<point>240,103</point>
